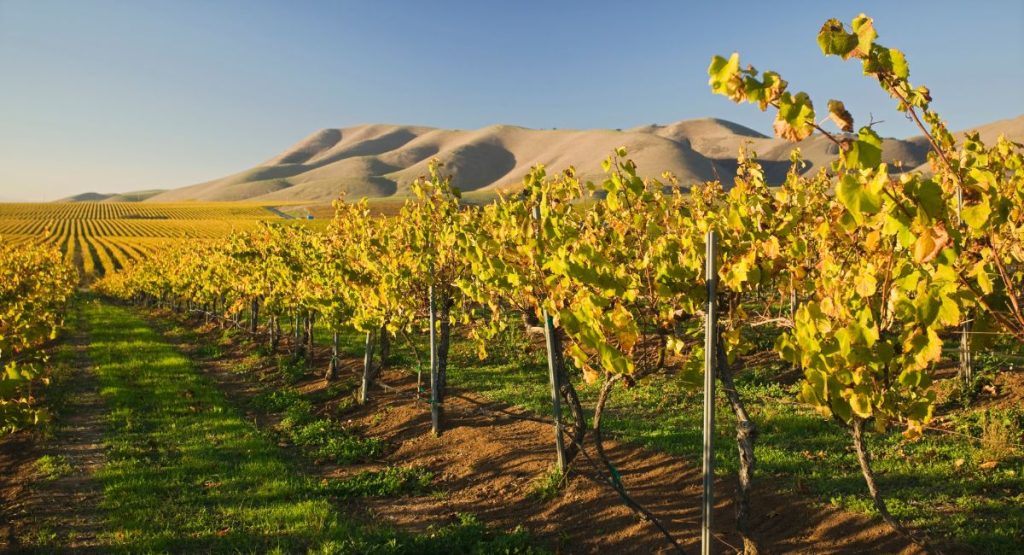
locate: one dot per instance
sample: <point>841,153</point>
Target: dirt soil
<point>490,456</point>
<point>1005,391</point>
<point>488,462</point>
<point>64,509</point>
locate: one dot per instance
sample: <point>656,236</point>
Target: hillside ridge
<point>382,160</point>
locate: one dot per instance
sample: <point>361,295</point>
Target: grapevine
<point>35,287</point>
<point>857,271</point>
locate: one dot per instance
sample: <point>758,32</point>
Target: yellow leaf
<point>866,285</point>
<point>861,405</point>
<point>923,247</point>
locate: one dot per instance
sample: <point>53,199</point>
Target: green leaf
<point>841,408</point>
<point>984,282</point>
<point>927,308</point>
<point>816,381</point>
<point>787,349</point>
<point>886,61</point>
<point>899,64</point>
<point>865,152</point>
<point>795,120</point>
<point>844,339</point>
<point>926,348</point>
<point>920,410</point>
<point>834,40</point>
<point>929,195</point>
<point>896,223</point>
<point>977,215</point>
<point>858,197</point>
<point>865,285</point>
<point>724,74</point>
<point>764,92</point>
<point>910,377</point>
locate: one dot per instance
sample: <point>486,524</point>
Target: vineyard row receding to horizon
<point>98,237</point>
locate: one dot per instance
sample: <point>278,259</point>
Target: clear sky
<point>117,95</point>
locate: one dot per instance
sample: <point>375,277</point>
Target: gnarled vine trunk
<point>439,381</point>
<point>275,333</point>
<point>569,397</point>
<point>332,367</point>
<point>254,316</point>
<point>571,400</point>
<point>615,480</point>
<point>443,344</point>
<point>364,390</point>
<point>864,458</point>
<point>308,336</point>
<point>746,435</point>
<point>384,348</point>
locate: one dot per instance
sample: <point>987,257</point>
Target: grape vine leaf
<point>795,121</point>
<point>864,152</point>
<point>858,198</point>
<point>838,113</point>
<point>976,216</point>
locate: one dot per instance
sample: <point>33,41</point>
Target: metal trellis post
<point>710,353</point>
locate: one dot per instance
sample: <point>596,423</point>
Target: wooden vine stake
<point>710,352</point>
<point>553,373</point>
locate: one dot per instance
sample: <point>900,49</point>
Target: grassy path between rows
<point>185,473</point>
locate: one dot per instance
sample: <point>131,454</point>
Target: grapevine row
<point>35,286</point>
<point>99,237</point>
<point>859,269</point>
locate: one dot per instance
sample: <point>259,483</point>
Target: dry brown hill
<point>382,160</point>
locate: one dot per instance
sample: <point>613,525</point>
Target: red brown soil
<point>489,457</point>
<point>488,464</point>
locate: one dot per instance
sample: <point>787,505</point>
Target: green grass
<point>323,438</point>
<point>186,473</point>
<point>392,481</point>
<point>52,467</point>
<point>547,485</point>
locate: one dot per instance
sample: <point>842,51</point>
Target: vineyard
<point>861,325</point>
<point>99,238</point>
<point>35,287</point>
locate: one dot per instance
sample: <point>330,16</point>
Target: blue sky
<point>118,96</point>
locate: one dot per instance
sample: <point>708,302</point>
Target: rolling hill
<point>134,196</point>
<point>382,160</point>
